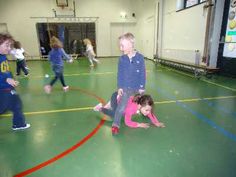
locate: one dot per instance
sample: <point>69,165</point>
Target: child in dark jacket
<point>131,76</point>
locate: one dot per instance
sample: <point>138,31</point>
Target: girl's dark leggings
<point>111,112</point>
<point>61,77</point>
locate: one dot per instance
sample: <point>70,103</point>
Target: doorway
<point>71,35</point>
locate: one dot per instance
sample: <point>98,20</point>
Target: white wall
<point>181,32</point>
<point>184,29</point>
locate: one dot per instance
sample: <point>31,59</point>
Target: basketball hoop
<point>62,3</point>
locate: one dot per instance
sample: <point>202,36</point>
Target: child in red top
<point>136,104</point>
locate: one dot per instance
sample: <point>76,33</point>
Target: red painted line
<point>31,170</point>
<point>66,152</point>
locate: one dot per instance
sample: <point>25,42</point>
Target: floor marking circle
<point>71,149</point>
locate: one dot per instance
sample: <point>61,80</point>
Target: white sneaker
<point>98,107</point>
<point>108,105</point>
<point>21,128</point>
<point>66,88</point>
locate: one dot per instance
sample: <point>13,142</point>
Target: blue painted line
<point>208,121</point>
<point>201,117</point>
<point>221,108</point>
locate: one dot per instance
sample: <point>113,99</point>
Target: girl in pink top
<point>136,104</point>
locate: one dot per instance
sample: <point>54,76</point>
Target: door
<point>117,29</point>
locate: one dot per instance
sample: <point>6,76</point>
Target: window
<point>190,3</point>
<point>184,4</point>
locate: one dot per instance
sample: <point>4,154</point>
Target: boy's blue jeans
<point>122,105</point>
<point>118,109</point>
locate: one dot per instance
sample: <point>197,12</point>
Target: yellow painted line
<point>79,74</point>
<point>194,99</point>
<point>90,108</point>
<point>164,102</point>
<point>229,88</point>
<point>51,111</point>
<point>83,74</point>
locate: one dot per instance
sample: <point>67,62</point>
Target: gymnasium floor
<point>69,139</point>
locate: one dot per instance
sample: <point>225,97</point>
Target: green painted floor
<point>69,139</point>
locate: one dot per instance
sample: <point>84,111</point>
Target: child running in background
<point>9,99</point>
<point>90,52</point>
<point>136,104</point>
<point>56,56</point>
<point>19,54</point>
<point>131,76</point>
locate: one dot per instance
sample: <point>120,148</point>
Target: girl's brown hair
<point>55,43</point>
<point>143,100</point>
<point>4,37</point>
<point>17,45</point>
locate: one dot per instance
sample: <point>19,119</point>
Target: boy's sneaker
<point>48,89</point>
<point>21,128</point>
<point>114,130</point>
<point>26,75</point>
<point>98,107</point>
<point>66,88</point>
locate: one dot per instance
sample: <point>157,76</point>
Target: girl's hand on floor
<point>143,125</point>
<point>161,125</point>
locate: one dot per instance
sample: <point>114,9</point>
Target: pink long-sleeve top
<point>132,109</point>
